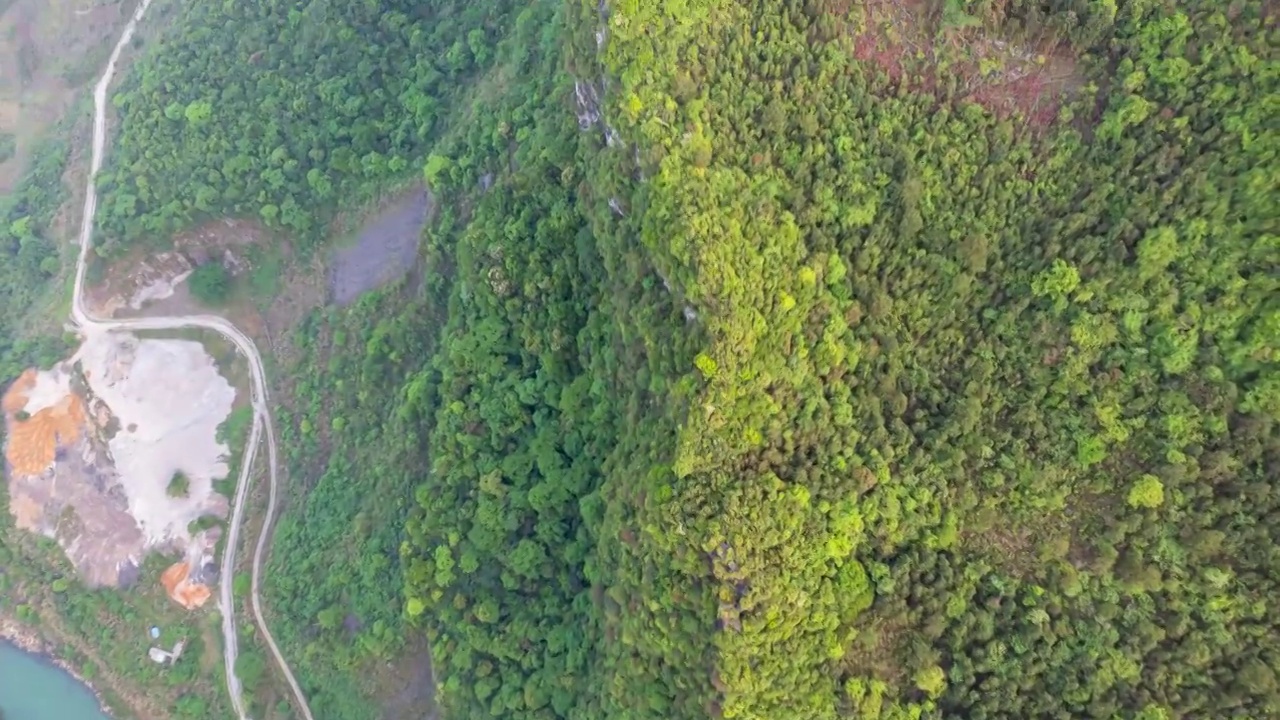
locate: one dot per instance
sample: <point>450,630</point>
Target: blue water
<point>34,689</point>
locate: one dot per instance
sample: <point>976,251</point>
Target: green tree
<point>932,681</point>
<point>1146,492</point>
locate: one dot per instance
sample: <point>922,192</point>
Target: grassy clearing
<point>50,50</point>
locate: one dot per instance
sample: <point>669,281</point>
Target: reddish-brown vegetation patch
<point>1027,80</point>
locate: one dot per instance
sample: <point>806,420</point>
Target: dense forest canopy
<point>285,111</point>
<point>775,359</point>
<point>30,258</point>
<point>884,401</point>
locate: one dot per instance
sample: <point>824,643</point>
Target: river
<point>32,688</point>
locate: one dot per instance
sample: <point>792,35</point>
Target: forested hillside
<point>288,113</point>
<point>773,359</point>
<point>30,257</point>
<point>812,387</point>
<point>285,111</point>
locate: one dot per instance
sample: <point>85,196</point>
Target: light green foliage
<point>436,171</point>
<point>917,376</point>
<point>1147,492</point>
<point>932,681</point>
<point>198,112</point>
<point>707,366</point>
<point>1157,249</point>
<point>1058,281</point>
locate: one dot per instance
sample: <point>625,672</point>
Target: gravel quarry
<point>92,444</point>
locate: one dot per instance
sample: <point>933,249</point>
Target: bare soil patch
<point>412,687</point>
<point>136,283</point>
<point>385,249</point>
<point>272,289</point>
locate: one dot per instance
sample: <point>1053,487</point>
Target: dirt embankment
<point>144,282</point>
<point>1028,78</point>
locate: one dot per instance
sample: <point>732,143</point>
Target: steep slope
<point>834,333</point>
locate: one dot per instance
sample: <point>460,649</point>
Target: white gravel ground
<point>169,399</point>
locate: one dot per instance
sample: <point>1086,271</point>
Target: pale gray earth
<point>386,249</point>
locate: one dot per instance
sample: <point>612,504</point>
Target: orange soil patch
<point>33,442</point>
<point>177,583</point>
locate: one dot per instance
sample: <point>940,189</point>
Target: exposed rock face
<point>153,278</point>
<point>128,288</point>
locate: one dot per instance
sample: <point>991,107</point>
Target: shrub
<point>210,283</point>
<point>8,146</point>
<point>179,485</point>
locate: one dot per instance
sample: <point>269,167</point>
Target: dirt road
<point>89,324</point>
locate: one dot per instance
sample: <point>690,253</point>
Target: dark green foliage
<point>29,258</point>
<point>251,667</point>
<point>284,111</point>
<point>353,442</point>
<point>8,146</point>
<point>210,283</point>
<point>102,632</point>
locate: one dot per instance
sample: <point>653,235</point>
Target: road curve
<point>89,324</point>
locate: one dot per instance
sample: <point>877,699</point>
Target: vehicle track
<point>262,423</point>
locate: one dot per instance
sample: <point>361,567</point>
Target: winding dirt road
<point>89,324</point>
